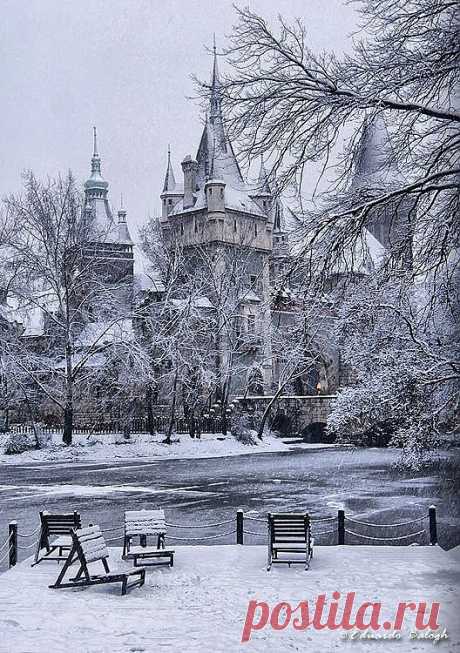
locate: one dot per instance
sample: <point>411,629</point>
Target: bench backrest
<point>59,524</point>
<point>90,544</point>
<point>289,527</point>
<point>145,522</point>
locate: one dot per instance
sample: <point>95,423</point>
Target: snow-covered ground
<point>200,605</point>
<point>108,447</point>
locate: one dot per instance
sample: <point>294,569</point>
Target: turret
<point>97,209</point>
<point>215,195</point>
<point>172,192</point>
<point>190,169</point>
<point>124,236</point>
<point>262,193</point>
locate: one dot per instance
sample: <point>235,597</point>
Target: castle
<point>220,221</point>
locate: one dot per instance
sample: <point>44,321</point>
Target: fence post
<point>239,526</point>
<point>341,527</point>
<point>433,526</point>
<point>13,543</point>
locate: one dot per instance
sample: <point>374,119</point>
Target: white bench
<point>143,524</point>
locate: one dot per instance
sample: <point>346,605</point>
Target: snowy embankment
<point>200,605</point>
<point>111,446</point>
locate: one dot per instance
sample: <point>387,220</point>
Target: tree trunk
<point>69,380</point>
<point>192,424</point>
<point>266,413</point>
<point>172,417</point>
<point>68,424</point>
<point>150,417</point>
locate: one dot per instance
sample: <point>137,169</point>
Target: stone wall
<point>291,415</point>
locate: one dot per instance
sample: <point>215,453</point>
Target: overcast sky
<point>124,66</point>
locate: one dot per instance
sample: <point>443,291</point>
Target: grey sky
<point>123,65</point>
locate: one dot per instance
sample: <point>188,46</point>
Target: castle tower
<point>218,213</point>
<point>96,199</point>
<point>124,237</point>
<point>109,253</point>
<point>172,191</point>
<point>375,173</point>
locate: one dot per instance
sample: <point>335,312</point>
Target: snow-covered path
<point>200,605</point>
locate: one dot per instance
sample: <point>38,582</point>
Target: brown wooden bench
<point>88,545</point>
<point>289,533</point>
<point>143,524</point>
<point>60,527</point>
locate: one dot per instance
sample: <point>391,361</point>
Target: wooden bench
<point>88,545</point>
<point>143,524</point>
<point>60,525</point>
<point>289,533</point>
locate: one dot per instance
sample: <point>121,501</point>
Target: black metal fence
<point>135,425</point>
<point>338,529</point>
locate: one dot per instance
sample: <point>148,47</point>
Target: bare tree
<point>292,105</point>
<point>71,308</point>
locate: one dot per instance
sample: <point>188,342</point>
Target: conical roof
<point>170,185</point>
<point>215,154</point>
<point>375,166</point>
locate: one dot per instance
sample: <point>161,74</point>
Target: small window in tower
<point>253,280</point>
<point>196,225</point>
<point>170,202</point>
<point>265,204</point>
<point>251,323</point>
<point>210,191</point>
<point>182,229</point>
<point>255,229</point>
<point>221,193</point>
<point>234,226</point>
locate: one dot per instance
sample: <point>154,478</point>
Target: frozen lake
<point>362,482</point>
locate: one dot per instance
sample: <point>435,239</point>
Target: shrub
<point>19,443</point>
<point>241,430</point>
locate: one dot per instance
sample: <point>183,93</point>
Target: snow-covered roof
<point>366,254</point>
<point>105,332</point>
<point>197,302</point>
<point>249,296</point>
<point>216,160</point>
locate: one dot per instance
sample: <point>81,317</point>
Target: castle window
<point>210,191</point>
<point>221,193</point>
<point>170,202</point>
<point>196,225</point>
<point>255,229</point>
<point>251,323</point>
<point>182,229</point>
<point>234,226</point>
<point>253,280</point>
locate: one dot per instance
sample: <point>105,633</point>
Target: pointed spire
<point>375,165</point>
<point>262,182</point>
<point>215,99</point>
<point>95,142</point>
<point>96,159</point>
<point>215,155</point>
<point>170,181</point>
